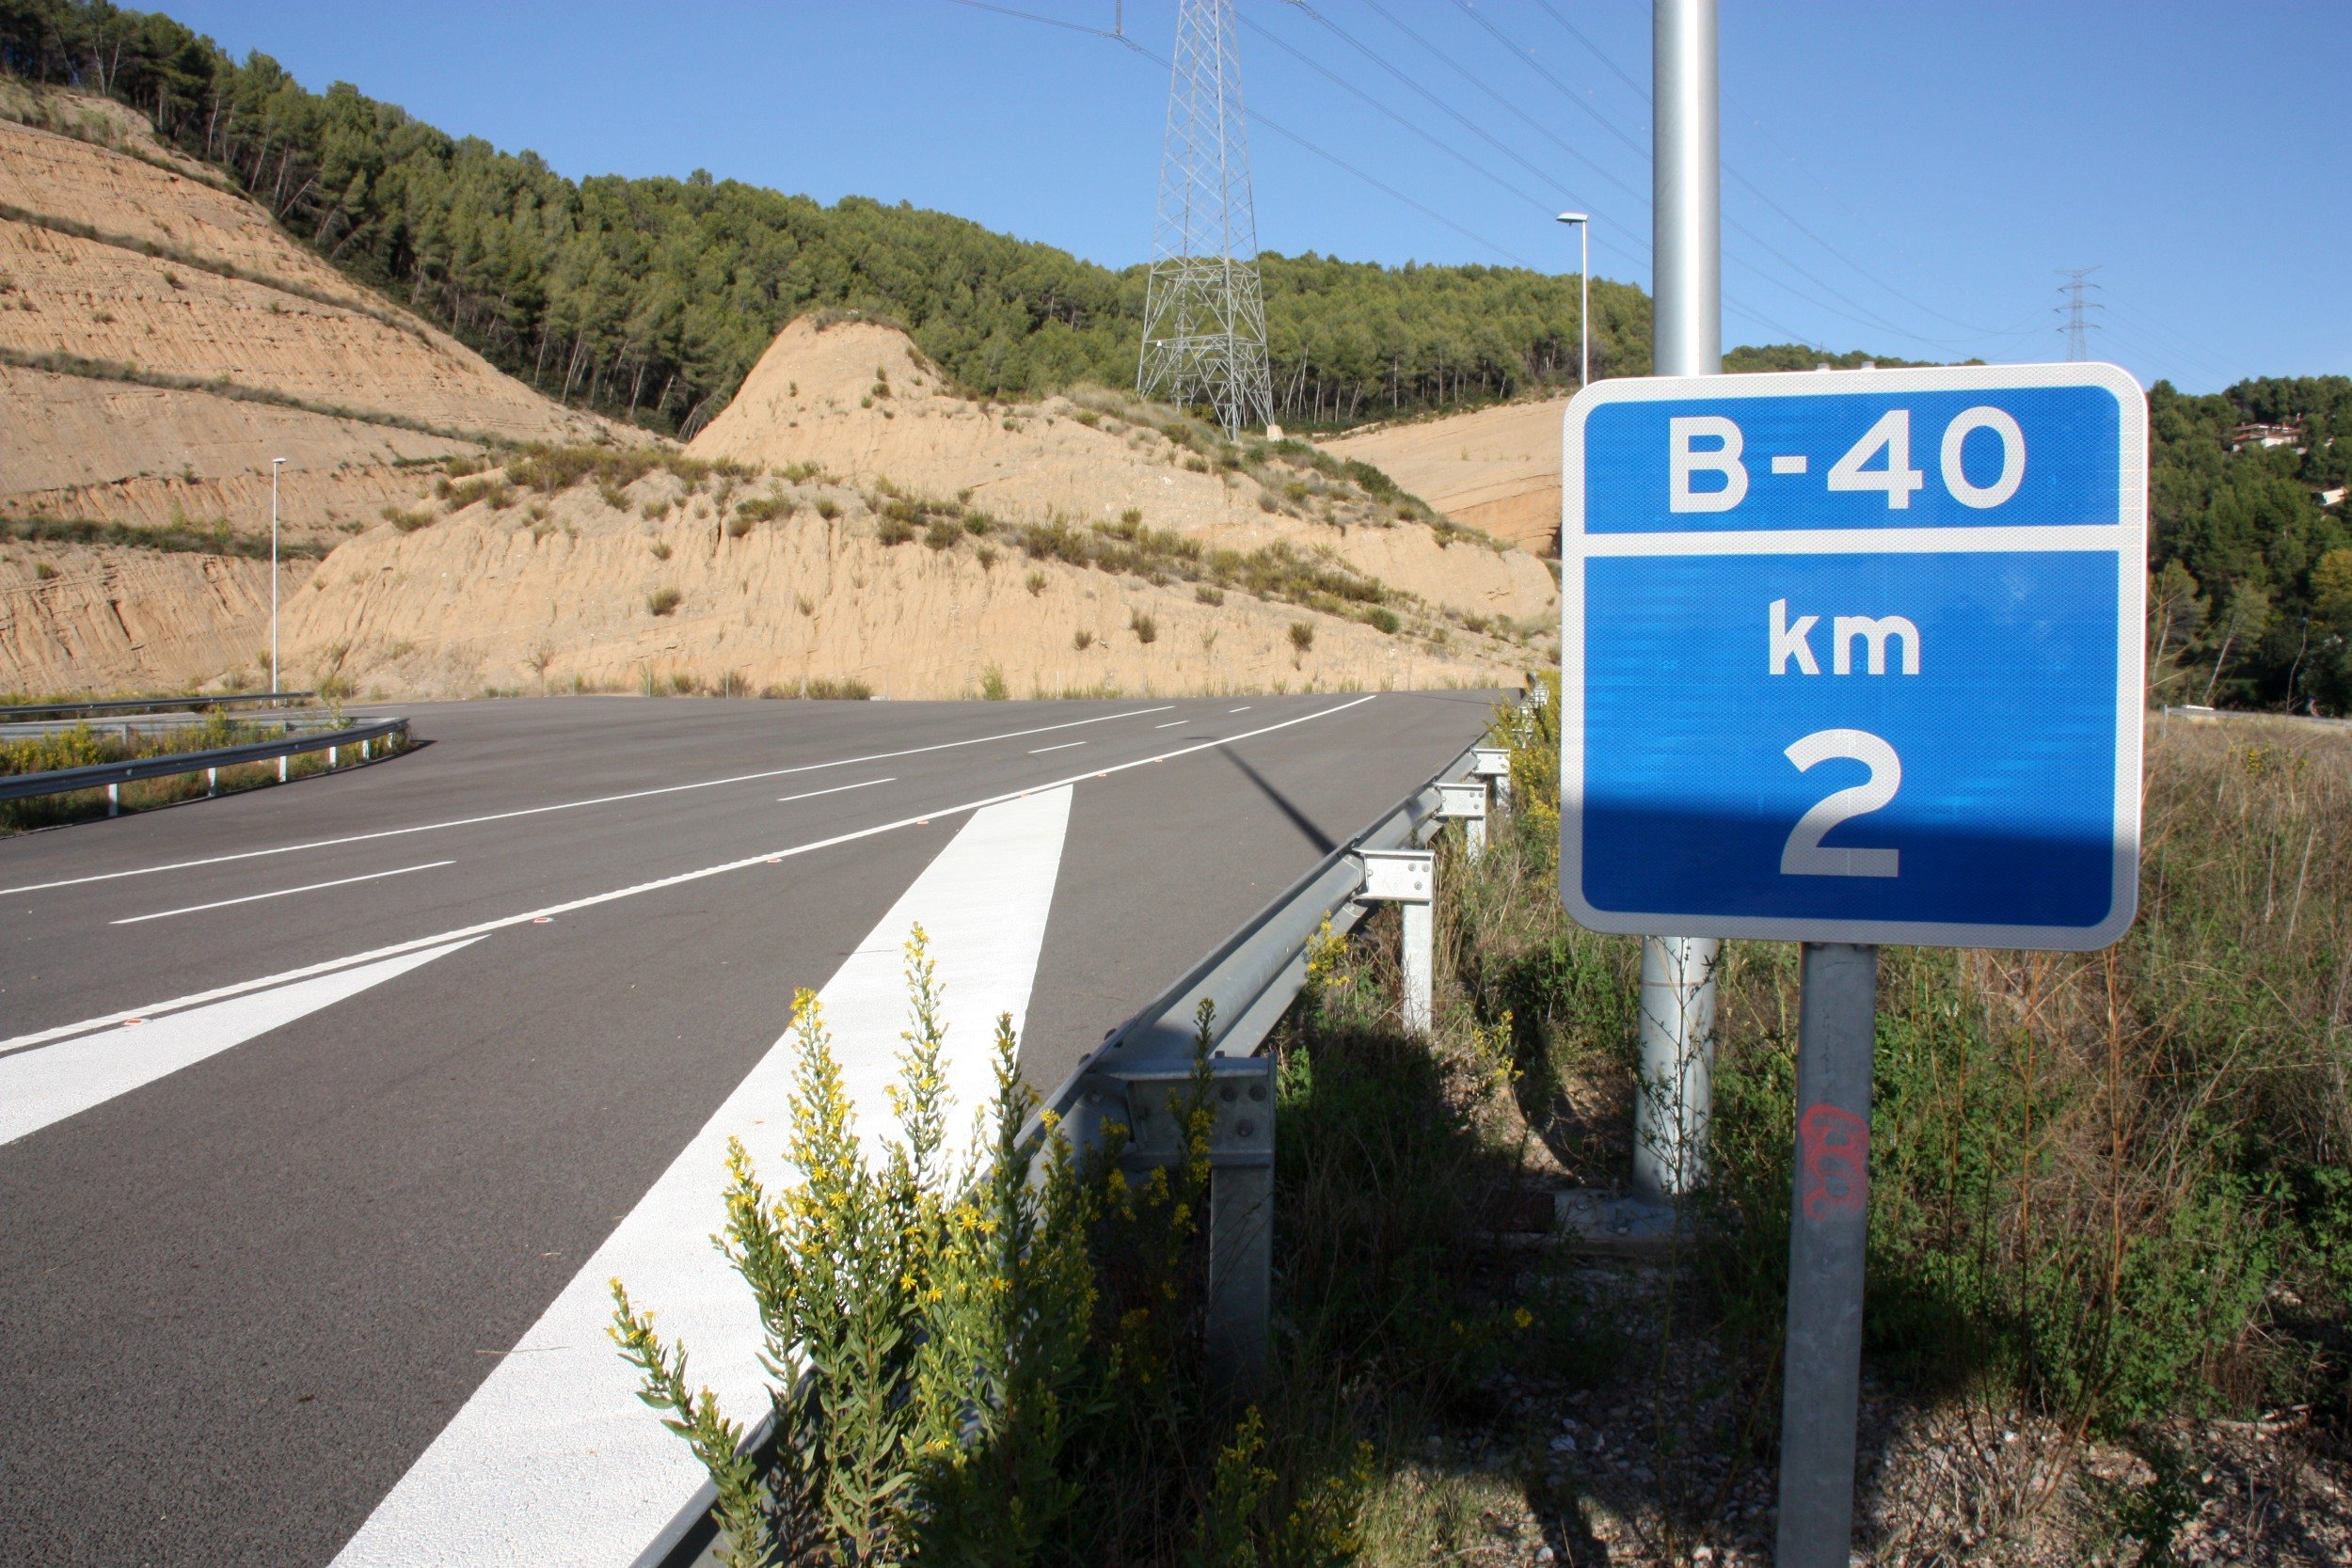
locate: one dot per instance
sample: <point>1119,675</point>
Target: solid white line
<point>1063,747</point>
<point>281,893</point>
<point>64,1031</point>
<point>554,1461</point>
<point>1172,723</point>
<point>574,805</point>
<point>837,789</point>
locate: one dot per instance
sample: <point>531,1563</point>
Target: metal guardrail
<point>101,775</point>
<point>125,725</point>
<point>1251,979</point>
<point>2198,713</point>
<point>147,704</point>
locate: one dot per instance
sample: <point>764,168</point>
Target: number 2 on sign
<point>1802,855</point>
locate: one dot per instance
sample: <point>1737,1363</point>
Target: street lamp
<point>275,464</point>
<point>1583,296</point>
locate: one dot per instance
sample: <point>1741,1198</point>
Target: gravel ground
<point>1665,1460</point>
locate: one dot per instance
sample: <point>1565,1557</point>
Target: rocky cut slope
<point>161,342</point>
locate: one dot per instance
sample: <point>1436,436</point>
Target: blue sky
<point>1907,178</point>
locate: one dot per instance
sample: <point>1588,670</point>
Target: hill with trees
<point>2251,546</point>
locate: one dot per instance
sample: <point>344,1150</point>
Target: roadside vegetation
<point>2112,1252</point>
<point>179,536</point>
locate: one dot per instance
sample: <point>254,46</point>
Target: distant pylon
<point>1203,314</point>
<point>2077,326</point>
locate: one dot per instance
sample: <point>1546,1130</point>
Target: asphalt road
<point>317,1103</point>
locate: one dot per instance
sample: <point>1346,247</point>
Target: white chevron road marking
<point>38,1087</point>
<point>553,1463</point>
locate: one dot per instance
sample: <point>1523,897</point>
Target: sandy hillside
<point>856,399</point>
<point>683,577</point>
<point>161,339</point>
<point>1497,470</point>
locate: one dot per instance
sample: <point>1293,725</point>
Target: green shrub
<point>827,688</point>
<point>662,601</point>
<point>1147,630</point>
<point>1302,635</point>
<point>975,1363</point>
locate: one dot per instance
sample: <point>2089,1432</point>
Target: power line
<point>1260,118</point>
<point>1344,86</point>
<point>1365,49</point>
<point>1377,60</point>
<point>1786,217</point>
<point>1867,318</point>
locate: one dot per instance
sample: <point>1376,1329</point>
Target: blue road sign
<point>1855,656</point>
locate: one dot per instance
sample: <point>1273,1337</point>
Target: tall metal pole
<point>275,464</point>
<point>1677,1011</point>
<point>1829,1228</point>
<point>1583,296</point>
<point>1686,173</point>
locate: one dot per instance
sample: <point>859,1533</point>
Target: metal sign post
<point>1829,1229</point>
<point>1851,658</point>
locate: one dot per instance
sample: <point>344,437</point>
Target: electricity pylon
<point>1203,314</point>
<point>2077,327</point>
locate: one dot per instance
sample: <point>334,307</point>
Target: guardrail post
<point>281,769</point>
<point>1407,879</point>
<point>1493,765</point>
<point>1466,802</point>
<point>212,782</point>
<point>334,758</point>
<point>1240,1307</point>
<point>366,750</point>
<point>114,800</point>
<point>1240,1313</point>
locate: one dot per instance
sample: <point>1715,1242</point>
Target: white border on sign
<point>2127,536</point>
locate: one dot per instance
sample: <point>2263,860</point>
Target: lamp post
<point>1583,296</point>
<point>275,464</point>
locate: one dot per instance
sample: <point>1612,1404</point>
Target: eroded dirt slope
<point>695,579</point>
<point>1496,470</point>
<point>857,399</point>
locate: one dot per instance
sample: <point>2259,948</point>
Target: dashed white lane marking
<point>553,1462</point>
<point>576,805</point>
<point>1172,723</point>
<point>765,857</point>
<point>1063,747</point>
<point>38,1087</point>
<point>279,892</point>
<point>1243,708</point>
<point>785,800</point>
